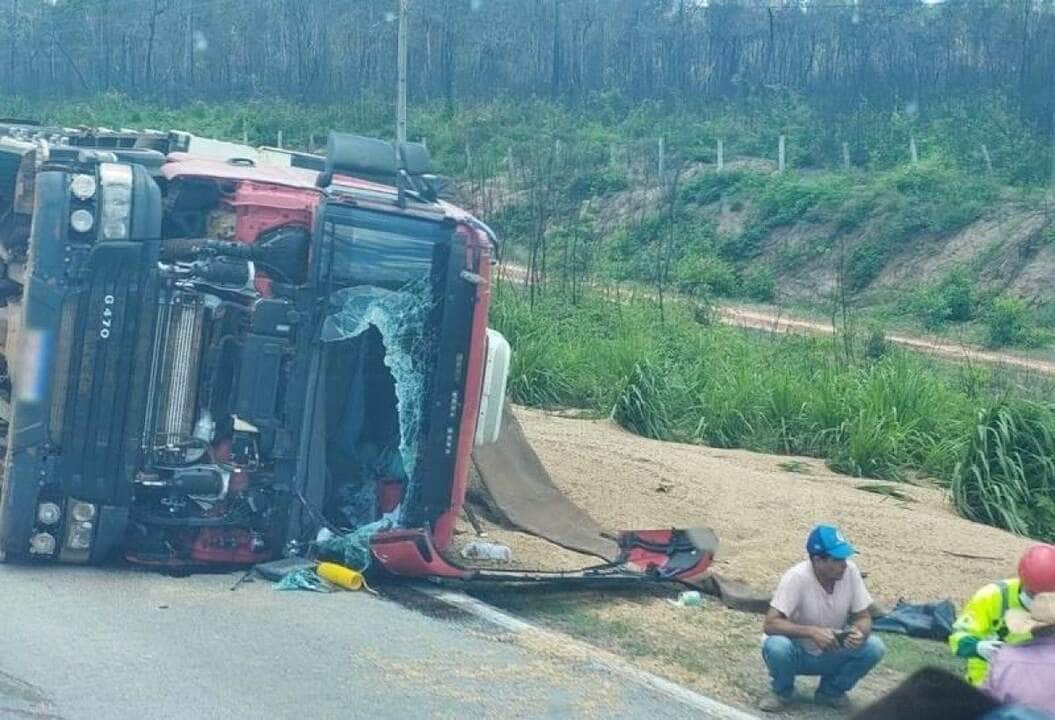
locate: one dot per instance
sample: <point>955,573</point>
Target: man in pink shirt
<point>1025,674</point>
<point>819,624</point>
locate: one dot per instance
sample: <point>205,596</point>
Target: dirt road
<point>776,321</point>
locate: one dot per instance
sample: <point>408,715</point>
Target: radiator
<point>172,394</point>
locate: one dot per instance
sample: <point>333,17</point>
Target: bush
<point>707,275</point>
<point>786,198</point>
<point>864,264</point>
<point>596,182</point>
<point>876,345</point>
<point>957,293</point>
<point>710,187</point>
<point>951,301</point>
<point>931,308</point>
<point>1009,324</point>
<point>760,285</point>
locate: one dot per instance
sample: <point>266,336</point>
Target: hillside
<point>924,246</point>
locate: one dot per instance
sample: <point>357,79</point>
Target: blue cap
<point>827,540</point>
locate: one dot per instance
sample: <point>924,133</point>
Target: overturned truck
<point>218,354</point>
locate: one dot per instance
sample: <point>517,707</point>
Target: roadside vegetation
<point>858,224</point>
<point>893,414</point>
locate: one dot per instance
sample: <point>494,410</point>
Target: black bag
<point>929,620</point>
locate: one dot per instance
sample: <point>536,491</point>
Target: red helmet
<point>1036,569</point>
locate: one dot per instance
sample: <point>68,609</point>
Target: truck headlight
<point>81,220</point>
<point>83,186</point>
<point>48,513</point>
<point>116,205</point>
<point>42,544</point>
<point>82,512</point>
<point>79,536</point>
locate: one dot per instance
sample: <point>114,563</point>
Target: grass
<point>1007,475</point>
<point>886,491</point>
<point>710,648</point>
<point>795,466</point>
<point>884,417</point>
<point>906,655</point>
<point>627,623</point>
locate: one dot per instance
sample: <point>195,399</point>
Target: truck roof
<point>263,169</point>
<point>182,164</point>
<point>182,154</point>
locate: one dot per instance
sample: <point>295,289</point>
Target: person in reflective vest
<point>981,629</point>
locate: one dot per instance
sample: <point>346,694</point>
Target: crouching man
<point>819,624</point>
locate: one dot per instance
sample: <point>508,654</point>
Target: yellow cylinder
<point>340,576</point>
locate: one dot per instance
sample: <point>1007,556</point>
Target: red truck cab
<point>213,359</point>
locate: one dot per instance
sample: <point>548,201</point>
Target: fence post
<point>988,159</point>
<point>280,139</point>
<point>912,151</point>
<point>846,156</point>
<point>311,142</point>
<point>660,160</point>
<point>721,155</point>
<point>468,157</point>
<point>780,154</point>
<point>245,133</point>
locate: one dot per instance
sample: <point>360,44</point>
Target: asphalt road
<point>110,643</point>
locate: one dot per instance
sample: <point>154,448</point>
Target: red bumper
<point>660,555</point>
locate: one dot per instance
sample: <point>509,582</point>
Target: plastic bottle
<point>690,598</point>
<point>480,550</point>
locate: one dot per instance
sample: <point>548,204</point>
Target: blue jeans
<point>839,669</point>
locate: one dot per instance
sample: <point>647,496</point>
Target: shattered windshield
<point>379,341</point>
<point>398,320</point>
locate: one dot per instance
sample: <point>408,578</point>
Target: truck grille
<point>96,357</point>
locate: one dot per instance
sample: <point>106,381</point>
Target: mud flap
<point>644,556</point>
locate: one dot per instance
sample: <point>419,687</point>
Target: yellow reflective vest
<point>983,619</point>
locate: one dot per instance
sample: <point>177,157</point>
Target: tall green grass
<point>1007,475</point>
<point>900,415</point>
